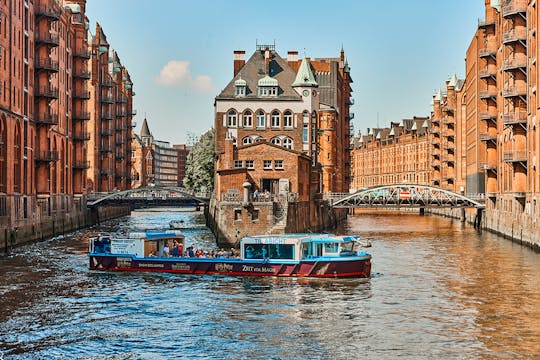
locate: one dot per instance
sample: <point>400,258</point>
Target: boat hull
<point>359,266</point>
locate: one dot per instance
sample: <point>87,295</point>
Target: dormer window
<point>267,86</point>
<point>240,88</point>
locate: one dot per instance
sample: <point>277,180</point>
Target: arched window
<point>261,119</point>
<point>288,143</point>
<point>247,140</point>
<point>248,119</point>
<point>287,119</point>
<point>276,141</point>
<point>231,118</point>
<point>275,119</point>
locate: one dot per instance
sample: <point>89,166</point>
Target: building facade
<point>398,154</point>
<point>282,130</point>
<point>45,99</point>
<point>110,96</point>
<point>183,152</point>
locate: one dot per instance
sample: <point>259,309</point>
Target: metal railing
<point>46,64</point>
<point>515,156</point>
<point>46,118</point>
<point>514,7</point>
<point>514,35</point>
<point>515,118</point>
<point>46,156</point>
<point>47,38</point>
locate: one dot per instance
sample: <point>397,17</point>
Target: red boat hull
<point>353,267</point>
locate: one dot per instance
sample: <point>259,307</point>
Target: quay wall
<point>33,230</point>
<point>230,221</point>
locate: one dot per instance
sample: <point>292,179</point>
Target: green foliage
<point>200,163</point>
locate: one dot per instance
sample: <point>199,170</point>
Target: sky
<point>179,53</point>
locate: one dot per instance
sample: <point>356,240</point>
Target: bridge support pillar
<point>478,219</point>
<point>463,217</point>
<point>422,211</point>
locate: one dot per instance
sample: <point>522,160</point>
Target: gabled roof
<point>264,142</point>
<point>305,76</point>
<point>255,69</point>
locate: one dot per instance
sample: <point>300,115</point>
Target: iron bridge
<point>403,195</point>
<point>150,196</point>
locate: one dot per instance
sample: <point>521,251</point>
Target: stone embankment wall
<point>519,228</point>
<point>231,221</point>
<point>57,225</point>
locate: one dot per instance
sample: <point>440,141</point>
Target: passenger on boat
<point>190,252</point>
<point>175,252</point>
<point>166,250</point>
<point>249,252</point>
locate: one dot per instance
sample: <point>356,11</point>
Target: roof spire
<point>305,76</point>
<point>145,131</point>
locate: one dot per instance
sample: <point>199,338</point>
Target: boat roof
<point>152,234</point>
<point>304,238</point>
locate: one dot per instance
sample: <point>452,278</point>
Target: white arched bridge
<point>403,195</point>
<point>150,196</point>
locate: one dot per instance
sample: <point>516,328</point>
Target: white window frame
<point>238,164</point>
<point>232,117</point>
<point>247,140</point>
<point>287,143</point>
<point>267,164</point>
<point>276,141</point>
<point>275,121</point>
<point>261,120</point>
<point>288,120</point>
<point>248,119</point>
<point>250,164</point>
<point>278,164</point>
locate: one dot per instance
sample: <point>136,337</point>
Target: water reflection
<point>439,290</point>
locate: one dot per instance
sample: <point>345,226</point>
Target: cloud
<point>177,73</point>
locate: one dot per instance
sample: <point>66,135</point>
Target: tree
<point>200,163</point>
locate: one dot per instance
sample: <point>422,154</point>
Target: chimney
<point>292,60</point>
<point>267,61</point>
<point>239,60</point>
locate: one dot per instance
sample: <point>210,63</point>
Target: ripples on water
<point>439,290</point>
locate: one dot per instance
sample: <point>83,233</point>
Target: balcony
<point>435,130</point>
<point>515,156</point>
<point>483,23</point>
<point>81,94</point>
<point>449,120</point>
<point>516,63</point>
<point>487,72</point>
<point>436,141</point>
<point>46,64</point>
<point>81,74</point>
<point>486,115</point>
<point>486,136</point>
<point>81,53</point>
<point>514,7</point>
<point>514,35</point>
<point>107,99</point>
<point>50,92</point>
<point>121,113</point>
<point>436,153</point>
<point>120,155</point>
<point>515,118</point>
<point>81,115</point>
<point>47,11</point>
<point>120,128</point>
<point>514,91</point>
<point>133,124</point>
<point>46,118</point>
<point>486,52</point>
<point>106,132</point>
<point>81,136</point>
<point>123,99</point>
<point>107,116</point>
<point>106,149</point>
<point>488,165</point>
<point>107,82</point>
<point>46,156</point>
<point>436,164</point>
<point>487,94</point>
<point>47,38</point>
<point>79,164</point>
<point>448,108</point>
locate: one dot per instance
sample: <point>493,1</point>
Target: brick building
<point>110,94</point>
<point>398,154</point>
<point>42,144</point>
<point>183,152</point>
<point>282,128</point>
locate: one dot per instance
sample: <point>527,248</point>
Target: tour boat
<point>289,255</point>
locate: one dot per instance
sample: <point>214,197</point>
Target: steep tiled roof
<point>255,69</point>
<point>305,76</point>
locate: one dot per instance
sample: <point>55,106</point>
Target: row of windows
<point>284,141</point>
<point>267,164</point>
<point>235,119</point>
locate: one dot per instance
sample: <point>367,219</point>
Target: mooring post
<point>422,211</point>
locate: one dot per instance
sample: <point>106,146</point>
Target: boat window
<point>348,246</point>
<point>102,245</point>
<point>330,248</point>
<point>269,251</point>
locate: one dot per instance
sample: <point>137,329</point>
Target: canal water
<point>439,290</point>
